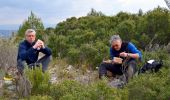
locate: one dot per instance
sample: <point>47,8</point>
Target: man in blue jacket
<point>29,49</point>
<point>123,58</point>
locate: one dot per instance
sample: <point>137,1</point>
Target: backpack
<point>151,65</point>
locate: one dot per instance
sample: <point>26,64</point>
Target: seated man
<point>29,49</point>
<point>120,50</point>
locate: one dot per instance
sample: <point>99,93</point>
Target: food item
<point>107,61</point>
<point>118,60</point>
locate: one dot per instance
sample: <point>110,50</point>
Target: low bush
<point>149,86</point>
<point>40,81</point>
<point>73,90</point>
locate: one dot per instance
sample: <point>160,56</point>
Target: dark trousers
<point>118,69</point>
<point>44,61</point>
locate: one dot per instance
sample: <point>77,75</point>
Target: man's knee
<point>48,58</point>
<point>46,62</point>
<point>102,70</point>
<point>103,64</point>
<point>133,65</point>
<point>131,70</point>
<point>21,64</point>
<point>102,67</point>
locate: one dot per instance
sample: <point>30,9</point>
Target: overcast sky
<point>54,11</point>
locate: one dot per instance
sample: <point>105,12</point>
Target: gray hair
<point>114,38</point>
<point>30,31</point>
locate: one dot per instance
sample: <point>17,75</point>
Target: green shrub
<point>101,91</point>
<point>72,90</point>
<point>39,97</point>
<point>39,80</point>
<point>160,54</point>
<point>64,88</point>
<point>150,86</point>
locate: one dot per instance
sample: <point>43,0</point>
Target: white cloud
<point>145,5</point>
<point>54,11</point>
<point>11,15</point>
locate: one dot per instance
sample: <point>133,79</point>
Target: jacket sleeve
<point>111,53</point>
<point>24,53</point>
<point>133,49</point>
<point>46,51</point>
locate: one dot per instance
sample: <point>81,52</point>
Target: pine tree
<point>33,22</point>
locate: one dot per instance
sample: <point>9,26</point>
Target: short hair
<point>114,38</point>
<point>30,31</point>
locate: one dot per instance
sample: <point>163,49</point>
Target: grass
<point>76,83</point>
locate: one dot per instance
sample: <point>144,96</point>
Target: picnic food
<point>108,61</point>
<point>118,60</point>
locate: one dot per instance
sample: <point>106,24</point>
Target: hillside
<point>80,44</point>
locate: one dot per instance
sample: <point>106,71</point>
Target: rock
<point>117,83</point>
<point>69,67</point>
<point>8,82</point>
<point>11,88</point>
<point>88,71</point>
<point>53,78</point>
<point>83,79</point>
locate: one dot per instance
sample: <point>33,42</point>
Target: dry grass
<point>8,54</point>
<point>62,71</point>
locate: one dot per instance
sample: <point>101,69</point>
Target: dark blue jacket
<point>127,47</point>
<point>27,53</point>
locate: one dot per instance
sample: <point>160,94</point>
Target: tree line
<point>85,40</point>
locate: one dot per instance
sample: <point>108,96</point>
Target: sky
<point>14,12</point>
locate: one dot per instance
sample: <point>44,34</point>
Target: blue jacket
<point>27,53</point>
<point>127,47</point>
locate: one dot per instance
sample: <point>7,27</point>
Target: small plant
<point>39,80</point>
<point>153,86</point>
<point>39,97</point>
<point>72,90</point>
<point>64,88</point>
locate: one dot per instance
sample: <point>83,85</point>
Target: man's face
<point>30,37</point>
<point>116,45</point>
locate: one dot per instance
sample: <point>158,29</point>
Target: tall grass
<point>8,53</point>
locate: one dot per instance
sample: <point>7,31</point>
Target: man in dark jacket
<point>29,49</point>
<point>123,58</point>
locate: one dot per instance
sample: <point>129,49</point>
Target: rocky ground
<point>60,72</point>
<point>87,77</point>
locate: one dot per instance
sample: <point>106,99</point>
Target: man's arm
<point>111,53</point>
<point>23,53</point>
<point>135,53</point>
<point>46,51</point>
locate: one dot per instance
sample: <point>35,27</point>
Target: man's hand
<point>123,54</point>
<point>39,44</point>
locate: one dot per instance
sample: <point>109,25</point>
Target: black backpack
<point>151,65</point>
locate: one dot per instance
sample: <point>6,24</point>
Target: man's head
<point>116,42</point>
<point>30,35</point>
